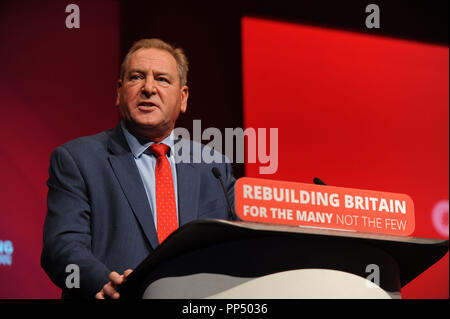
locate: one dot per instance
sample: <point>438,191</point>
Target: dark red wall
<point>56,84</point>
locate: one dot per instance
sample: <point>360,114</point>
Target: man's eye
<point>162,80</point>
<point>135,77</point>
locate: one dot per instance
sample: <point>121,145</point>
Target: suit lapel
<point>126,171</point>
<point>188,192</point>
<point>188,181</point>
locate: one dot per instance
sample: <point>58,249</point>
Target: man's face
<point>150,96</point>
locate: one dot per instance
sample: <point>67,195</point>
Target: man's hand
<point>110,289</point>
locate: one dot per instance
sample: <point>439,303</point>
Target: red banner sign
<point>288,203</point>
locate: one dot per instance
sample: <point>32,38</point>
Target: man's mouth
<point>147,104</point>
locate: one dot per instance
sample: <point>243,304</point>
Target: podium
<point>211,258</point>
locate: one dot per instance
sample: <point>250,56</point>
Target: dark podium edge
<point>413,255</point>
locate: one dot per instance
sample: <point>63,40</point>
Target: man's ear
<point>184,98</point>
<point>119,86</point>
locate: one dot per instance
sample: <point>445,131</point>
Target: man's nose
<point>149,87</point>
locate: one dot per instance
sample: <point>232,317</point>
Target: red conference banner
<point>299,204</point>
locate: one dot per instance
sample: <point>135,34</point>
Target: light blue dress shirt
<point>146,163</point>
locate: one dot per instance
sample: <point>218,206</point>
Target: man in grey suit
<point>105,206</point>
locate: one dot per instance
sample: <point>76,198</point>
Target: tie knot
<point>159,149</point>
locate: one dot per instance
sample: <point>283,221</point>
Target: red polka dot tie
<point>165,195</point>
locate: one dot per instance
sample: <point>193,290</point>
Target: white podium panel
<point>294,284</point>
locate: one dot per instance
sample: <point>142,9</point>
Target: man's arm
<point>67,231</point>
<point>229,183</point>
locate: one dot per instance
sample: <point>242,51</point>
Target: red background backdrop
<point>357,111</point>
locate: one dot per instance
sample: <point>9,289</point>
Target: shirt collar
<point>139,146</point>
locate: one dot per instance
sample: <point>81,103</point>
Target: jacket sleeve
<point>67,232</point>
<point>229,184</point>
